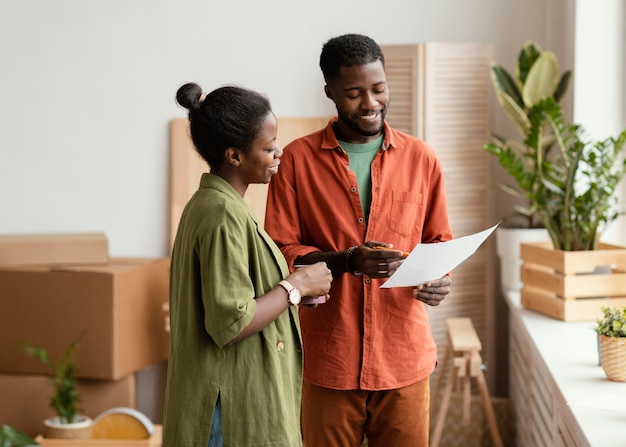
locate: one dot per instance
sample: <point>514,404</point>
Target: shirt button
<point>353,189</point>
<point>280,346</point>
<point>360,220</point>
<point>367,280</point>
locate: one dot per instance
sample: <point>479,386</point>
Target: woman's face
<point>261,163</point>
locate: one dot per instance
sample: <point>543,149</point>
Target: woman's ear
<point>232,156</point>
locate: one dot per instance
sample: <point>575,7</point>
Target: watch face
<point>294,297</point>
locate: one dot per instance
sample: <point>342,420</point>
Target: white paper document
<point>432,261</point>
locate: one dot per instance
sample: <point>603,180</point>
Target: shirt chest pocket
<point>407,212</point>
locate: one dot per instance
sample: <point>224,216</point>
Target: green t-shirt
<point>361,156</point>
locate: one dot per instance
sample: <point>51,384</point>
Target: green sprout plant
<point>613,322</point>
<point>63,377</point>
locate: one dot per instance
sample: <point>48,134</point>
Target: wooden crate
<point>564,284</point>
<point>153,441</point>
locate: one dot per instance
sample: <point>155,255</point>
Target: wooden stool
<point>464,350</point>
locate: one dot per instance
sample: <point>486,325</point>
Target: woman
<point>235,365</point>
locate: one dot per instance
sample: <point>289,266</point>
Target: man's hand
<point>433,292</point>
<point>377,259</point>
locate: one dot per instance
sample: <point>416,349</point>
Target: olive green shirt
<point>221,260</point>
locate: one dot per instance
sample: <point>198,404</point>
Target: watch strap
<point>286,285</point>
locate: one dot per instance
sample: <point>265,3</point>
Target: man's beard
<point>366,133</point>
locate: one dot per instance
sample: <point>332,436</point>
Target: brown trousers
<point>390,418</point>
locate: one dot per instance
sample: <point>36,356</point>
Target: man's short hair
<point>348,50</point>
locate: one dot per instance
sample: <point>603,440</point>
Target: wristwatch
<point>293,294</point>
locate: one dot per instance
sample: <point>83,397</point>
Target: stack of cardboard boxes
<point>55,287</point>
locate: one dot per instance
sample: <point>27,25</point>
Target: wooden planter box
<point>563,285</point>
<point>153,441</point>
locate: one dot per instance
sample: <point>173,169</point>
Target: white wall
<point>87,88</point>
<point>599,90</point>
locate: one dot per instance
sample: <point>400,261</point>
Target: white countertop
<point>570,352</point>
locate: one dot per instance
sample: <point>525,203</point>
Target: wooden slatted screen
<point>405,79</point>
<point>447,100</point>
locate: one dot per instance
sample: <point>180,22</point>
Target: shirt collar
<point>212,181</point>
<point>329,140</point>
<point>216,182</point>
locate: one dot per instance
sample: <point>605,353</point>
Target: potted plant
<point>569,182</point>
<point>536,76</point>
<point>572,189</point>
<point>12,437</point>
<point>568,179</point>
<point>611,330</point>
<point>68,423</point>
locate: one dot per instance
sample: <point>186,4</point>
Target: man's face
<point>361,96</point>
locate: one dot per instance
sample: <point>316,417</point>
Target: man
<point>340,192</point>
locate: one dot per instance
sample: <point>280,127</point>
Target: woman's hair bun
<point>189,96</point>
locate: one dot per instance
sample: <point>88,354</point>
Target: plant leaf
<point>503,82</point>
<point>526,59</point>
<point>542,79</point>
<point>514,112</point>
<point>561,88</point>
<point>10,436</point>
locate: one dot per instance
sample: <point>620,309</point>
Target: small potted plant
<point>611,330</point>
<point>68,423</point>
<point>12,437</point>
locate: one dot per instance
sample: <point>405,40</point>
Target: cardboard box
<point>153,441</point>
<point>25,399</point>
<point>53,249</point>
<point>118,306</point>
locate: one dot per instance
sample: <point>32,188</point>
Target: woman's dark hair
<point>229,116</point>
<point>348,50</point>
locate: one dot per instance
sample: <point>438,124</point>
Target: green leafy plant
<point>566,181</point>
<point>536,77</point>
<point>569,181</point>
<point>12,437</point>
<point>613,322</point>
<point>63,377</point>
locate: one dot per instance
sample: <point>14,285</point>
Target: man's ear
<point>232,156</point>
<point>328,91</point>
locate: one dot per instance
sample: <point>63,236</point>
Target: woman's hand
<point>312,280</point>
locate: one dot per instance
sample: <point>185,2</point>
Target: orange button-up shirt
<point>365,337</point>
